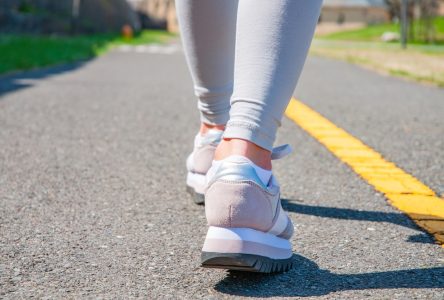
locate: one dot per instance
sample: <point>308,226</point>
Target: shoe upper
<point>199,161</point>
<point>236,198</point>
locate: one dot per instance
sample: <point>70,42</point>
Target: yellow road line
<point>402,190</point>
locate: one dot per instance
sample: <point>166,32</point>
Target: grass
<point>370,33</point>
<point>421,62</point>
<point>417,62</point>
<point>145,37</point>
<point>24,52</point>
<point>374,32</point>
<point>433,78</point>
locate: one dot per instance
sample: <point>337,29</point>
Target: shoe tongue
<point>263,174</point>
<point>238,159</point>
<point>212,136</point>
<point>216,132</point>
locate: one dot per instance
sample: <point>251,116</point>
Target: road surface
<point>92,186</point>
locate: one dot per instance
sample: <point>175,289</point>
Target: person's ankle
<point>228,147</point>
<point>204,128</point>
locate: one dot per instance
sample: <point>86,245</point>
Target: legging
<point>245,57</point>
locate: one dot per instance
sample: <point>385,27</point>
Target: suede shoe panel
<point>239,204</point>
<point>202,159</point>
<point>289,230</point>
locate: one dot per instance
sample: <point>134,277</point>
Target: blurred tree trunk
<point>423,10</point>
<point>75,16</point>
<point>394,8</point>
<point>428,12</point>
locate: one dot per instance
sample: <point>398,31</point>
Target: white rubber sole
<point>246,241</point>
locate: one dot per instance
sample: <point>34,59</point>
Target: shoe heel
<point>245,249</point>
<point>196,186</point>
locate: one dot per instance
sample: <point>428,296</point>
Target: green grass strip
<point>24,52</point>
<point>374,32</point>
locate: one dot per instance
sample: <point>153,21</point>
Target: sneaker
<point>199,162</point>
<point>248,229</point>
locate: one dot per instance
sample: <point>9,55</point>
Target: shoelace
<point>281,151</point>
<point>215,136</point>
<point>211,137</point>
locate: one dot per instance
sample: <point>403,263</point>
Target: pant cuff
<point>250,132</point>
<point>220,118</point>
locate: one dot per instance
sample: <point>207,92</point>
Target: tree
<point>428,12</point>
<point>425,11</point>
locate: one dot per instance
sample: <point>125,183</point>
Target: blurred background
<point>37,33</point>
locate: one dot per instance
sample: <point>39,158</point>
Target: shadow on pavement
<point>17,81</point>
<point>422,238</point>
<point>359,215</point>
<point>306,279</point>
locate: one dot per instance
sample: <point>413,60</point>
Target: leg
<point>208,31</point>
<point>248,228</point>
<point>271,46</point>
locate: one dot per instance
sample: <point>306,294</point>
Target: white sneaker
<point>199,162</point>
<point>249,230</point>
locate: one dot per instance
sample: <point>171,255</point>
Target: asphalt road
<point>92,186</point>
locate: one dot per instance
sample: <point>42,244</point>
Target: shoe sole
<point>245,262</point>
<point>197,198</point>
<point>245,249</point>
<point>196,186</point>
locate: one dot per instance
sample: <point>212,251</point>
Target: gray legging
<point>245,57</point>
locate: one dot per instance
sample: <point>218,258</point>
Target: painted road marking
<point>402,190</point>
